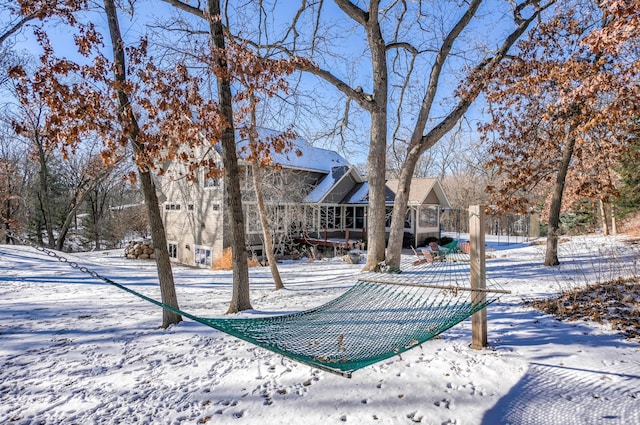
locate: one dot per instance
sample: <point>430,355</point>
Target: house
<point>426,202</point>
<point>316,197</point>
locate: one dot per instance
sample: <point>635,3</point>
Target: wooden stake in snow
<point>478,275</point>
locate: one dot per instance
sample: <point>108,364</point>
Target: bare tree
<point>240,299</point>
<point>421,139</point>
<point>16,15</point>
<point>114,211</point>
<point>396,38</point>
<point>257,77</point>
<point>256,173</point>
<point>83,174</point>
<point>13,182</point>
<point>29,125</point>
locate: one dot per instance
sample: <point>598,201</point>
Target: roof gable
<point>420,190</point>
<point>332,189</point>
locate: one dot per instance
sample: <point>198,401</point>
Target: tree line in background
<point>560,80</point>
<point>68,205</point>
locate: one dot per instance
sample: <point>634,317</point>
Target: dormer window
<point>211,183</point>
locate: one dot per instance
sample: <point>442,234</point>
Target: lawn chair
<point>433,255</point>
<point>451,247</point>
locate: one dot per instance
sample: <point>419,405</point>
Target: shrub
<point>428,240</point>
<point>225,261</point>
<point>445,240</point>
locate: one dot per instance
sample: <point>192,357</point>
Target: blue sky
<point>349,63</point>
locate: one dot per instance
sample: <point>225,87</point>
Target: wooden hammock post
<point>478,275</point>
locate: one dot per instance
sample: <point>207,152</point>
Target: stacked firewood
<point>139,250</point>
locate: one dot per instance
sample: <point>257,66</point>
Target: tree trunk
<point>262,209</point>
<point>603,217</point>
<point>614,229</point>
<point>44,196</point>
<point>376,214</point>
<point>7,217</point>
<point>163,263</point>
<point>396,234</point>
<point>240,299</point>
<point>551,256</point>
<point>64,229</point>
<point>161,250</point>
<point>8,240</point>
<point>95,213</point>
<point>377,159</point>
<point>266,231</point>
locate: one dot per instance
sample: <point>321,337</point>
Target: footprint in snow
<point>447,404</point>
<point>415,417</point>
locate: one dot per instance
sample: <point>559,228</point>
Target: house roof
<point>312,158</point>
<point>336,168</point>
<point>358,195</point>
<point>330,182</point>
<point>420,189</point>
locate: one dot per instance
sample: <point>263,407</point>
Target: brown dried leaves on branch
<point>569,81</point>
<point>177,121</point>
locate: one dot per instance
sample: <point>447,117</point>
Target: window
<point>354,217</point>
<point>173,250</point>
<point>330,217</point>
<point>388,213</point>
<point>337,217</point>
<point>360,217</point>
<point>190,207</point>
<point>295,214</point>
<point>428,216</point>
<point>348,218</point>
<point>278,217</point>
<point>211,183</point>
<point>311,218</point>
<point>408,219</point>
<point>203,256</point>
<point>251,218</point>
<point>172,207</point>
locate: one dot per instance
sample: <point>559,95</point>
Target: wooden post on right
<point>478,275</point>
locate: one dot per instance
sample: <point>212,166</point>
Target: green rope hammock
<point>372,321</point>
<point>382,316</point>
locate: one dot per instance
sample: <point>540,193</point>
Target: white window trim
<point>177,247</point>
<point>197,255</point>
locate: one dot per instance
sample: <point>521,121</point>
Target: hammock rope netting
<point>381,316</point>
<point>371,322</point>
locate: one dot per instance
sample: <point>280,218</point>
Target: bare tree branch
<point>18,25</point>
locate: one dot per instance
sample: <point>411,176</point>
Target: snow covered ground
<point>74,350</point>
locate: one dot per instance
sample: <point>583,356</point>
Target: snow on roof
<point>360,195</point>
<point>312,158</point>
<point>321,190</point>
